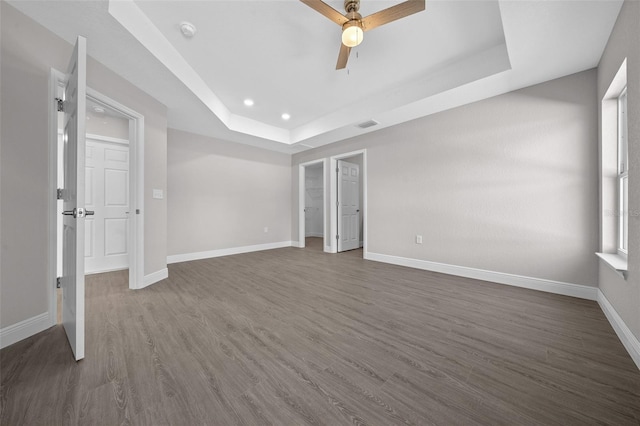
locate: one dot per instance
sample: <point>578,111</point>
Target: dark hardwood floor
<point>296,336</point>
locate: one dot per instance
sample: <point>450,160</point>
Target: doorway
<point>107,190</point>
<point>122,160</point>
<point>349,224</point>
<point>312,205</point>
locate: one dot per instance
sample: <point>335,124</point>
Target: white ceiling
<point>282,54</point>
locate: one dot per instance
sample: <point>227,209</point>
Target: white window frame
<point>623,175</point>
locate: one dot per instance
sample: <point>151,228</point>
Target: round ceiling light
<point>286,116</point>
<point>352,34</point>
<point>188,29</point>
<point>248,102</point>
<point>98,109</point>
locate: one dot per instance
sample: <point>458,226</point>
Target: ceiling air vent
<point>369,123</point>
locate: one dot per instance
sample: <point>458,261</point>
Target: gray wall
<point>28,52</point>
<point>222,194</point>
<point>624,42</point>
<point>508,184</point>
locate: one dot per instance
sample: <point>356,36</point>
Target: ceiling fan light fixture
<point>352,34</point>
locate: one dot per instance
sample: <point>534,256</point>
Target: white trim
<point>315,235</point>
<point>327,249</point>
<point>333,196</point>
<point>616,262</point>
<point>136,193</point>
<point>55,79</point>
<point>630,342</point>
<point>549,286</point>
<point>154,278</point>
<point>301,199</point>
<point>175,258</point>
<point>23,329</point>
<point>103,271</point>
<point>108,139</point>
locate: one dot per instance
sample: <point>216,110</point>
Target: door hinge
<point>60,194</point>
<point>337,169</point>
<point>337,237</point>
<point>60,104</point>
<point>337,203</point>
<point>58,282</point>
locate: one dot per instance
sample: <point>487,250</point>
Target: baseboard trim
<point>630,342</point>
<point>155,277</point>
<point>228,251</point>
<point>549,286</point>
<point>102,271</point>
<point>315,234</point>
<point>327,249</point>
<point>27,328</point>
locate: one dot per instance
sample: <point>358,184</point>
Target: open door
<point>348,206</point>
<point>72,281</point>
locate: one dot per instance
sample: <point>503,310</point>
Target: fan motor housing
<point>351,5</point>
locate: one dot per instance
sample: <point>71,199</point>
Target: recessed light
<point>286,116</point>
<point>98,109</point>
<point>187,29</point>
<point>248,102</point>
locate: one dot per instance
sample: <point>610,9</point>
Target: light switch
<point>158,194</point>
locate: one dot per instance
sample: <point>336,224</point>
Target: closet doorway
<point>312,204</point>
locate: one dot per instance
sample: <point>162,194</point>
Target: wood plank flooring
<point>296,336</point>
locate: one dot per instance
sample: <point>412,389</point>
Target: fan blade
<point>326,10</point>
<point>392,13</point>
<point>343,57</point>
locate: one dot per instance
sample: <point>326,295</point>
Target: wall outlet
<point>266,229</point>
<point>418,239</point>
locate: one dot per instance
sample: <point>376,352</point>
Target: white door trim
<point>136,193</point>
<point>301,200</point>
<point>107,139</point>
<point>333,196</point>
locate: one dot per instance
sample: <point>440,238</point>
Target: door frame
<point>301,201</point>
<point>333,196</point>
<point>135,236</point>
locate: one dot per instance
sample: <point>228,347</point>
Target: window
<point>614,172</point>
<point>623,175</point>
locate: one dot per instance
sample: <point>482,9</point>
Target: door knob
<point>78,212</point>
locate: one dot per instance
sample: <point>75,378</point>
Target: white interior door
<point>72,282</point>
<point>348,206</point>
<point>106,193</point>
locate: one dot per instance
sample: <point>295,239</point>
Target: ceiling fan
<point>354,25</point>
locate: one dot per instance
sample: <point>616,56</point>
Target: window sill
<point>615,262</point>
